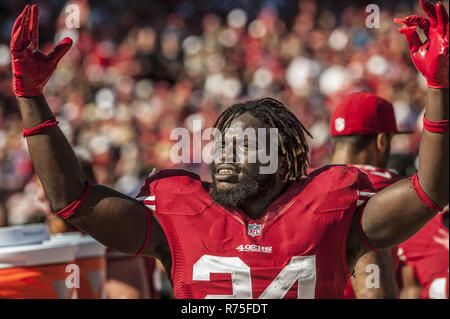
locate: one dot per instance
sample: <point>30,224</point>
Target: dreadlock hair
<point>291,131</point>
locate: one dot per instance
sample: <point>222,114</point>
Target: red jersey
<point>380,178</point>
<point>427,254</point>
<point>297,249</point>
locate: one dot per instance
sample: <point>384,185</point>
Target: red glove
<point>31,68</point>
<point>431,57</point>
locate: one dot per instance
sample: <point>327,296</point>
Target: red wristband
<point>70,210</point>
<point>435,126</point>
<point>426,200</point>
<point>41,127</point>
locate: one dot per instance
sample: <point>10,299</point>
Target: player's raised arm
<point>116,220</point>
<point>400,210</point>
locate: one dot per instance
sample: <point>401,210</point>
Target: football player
<point>425,257</point>
<point>362,127</point>
<point>246,234</point>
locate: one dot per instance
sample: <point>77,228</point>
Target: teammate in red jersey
<point>362,127</point>
<point>247,234</point>
<point>426,254</point>
<point>424,258</point>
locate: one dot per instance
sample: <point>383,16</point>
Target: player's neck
<point>346,157</point>
<point>256,207</point>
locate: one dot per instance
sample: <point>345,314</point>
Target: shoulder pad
<point>175,192</point>
<point>380,178</point>
<point>335,187</point>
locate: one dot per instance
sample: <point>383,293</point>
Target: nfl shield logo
<point>339,124</point>
<point>254,230</point>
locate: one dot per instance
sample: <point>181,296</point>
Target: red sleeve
<point>161,188</point>
<point>365,192</point>
<point>365,188</point>
<point>147,198</point>
<point>379,177</point>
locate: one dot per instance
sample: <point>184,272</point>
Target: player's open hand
<point>32,68</point>
<point>430,57</point>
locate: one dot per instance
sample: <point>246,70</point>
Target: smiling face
<point>237,179</point>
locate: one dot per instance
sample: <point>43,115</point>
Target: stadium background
<point>138,69</point>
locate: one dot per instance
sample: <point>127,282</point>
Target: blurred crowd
<point>139,69</point>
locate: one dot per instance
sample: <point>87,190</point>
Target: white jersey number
<point>301,269</point>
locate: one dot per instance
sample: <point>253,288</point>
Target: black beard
<point>250,187</point>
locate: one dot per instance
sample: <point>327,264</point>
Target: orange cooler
<point>32,267</point>
<point>90,258</point>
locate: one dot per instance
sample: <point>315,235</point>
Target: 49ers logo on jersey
<point>255,248</point>
<point>254,230</point>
